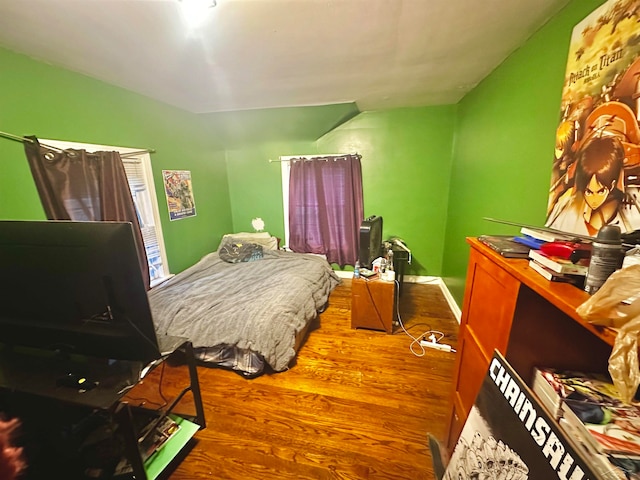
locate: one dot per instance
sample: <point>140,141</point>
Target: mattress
<point>251,316</point>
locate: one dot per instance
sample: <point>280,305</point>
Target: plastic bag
<point>237,252</point>
<point>617,305</point>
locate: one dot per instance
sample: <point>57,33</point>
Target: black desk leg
<point>195,385</point>
<point>131,450</point>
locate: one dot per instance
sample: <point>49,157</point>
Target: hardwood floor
<point>356,405</point>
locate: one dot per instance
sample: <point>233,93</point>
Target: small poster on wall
<point>595,177</point>
<point>179,192</point>
<point>509,434</point>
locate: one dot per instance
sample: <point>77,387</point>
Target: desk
<point>30,390</point>
<point>373,304</point>
<point>530,320</point>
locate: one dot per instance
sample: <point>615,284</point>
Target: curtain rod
<point>15,137</point>
<point>20,139</point>
<point>137,152</point>
<point>308,158</point>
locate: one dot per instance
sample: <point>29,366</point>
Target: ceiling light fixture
<point>195,12</point>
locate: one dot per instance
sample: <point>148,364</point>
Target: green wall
<point>433,173</point>
<point>255,183</point>
<point>38,99</point>
<point>504,143</point>
<point>406,165</point>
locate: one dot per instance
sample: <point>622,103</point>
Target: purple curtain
<point>82,186</point>
<point>326,207</point>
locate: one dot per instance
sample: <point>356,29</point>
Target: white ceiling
<point>252,54</point>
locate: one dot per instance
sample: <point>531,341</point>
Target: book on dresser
<point>529,241</point>
<point>574,279</point>
<point>559,264</point>
<point>587,406</point>
<point>543,235</point>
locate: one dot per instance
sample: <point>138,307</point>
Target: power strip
<point>437,346</point>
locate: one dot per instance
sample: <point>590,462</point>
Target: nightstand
<point>373,304</point>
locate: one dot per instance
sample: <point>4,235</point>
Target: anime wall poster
<point>179,193</point>
<point>509,435</point>
<point>596,167</point>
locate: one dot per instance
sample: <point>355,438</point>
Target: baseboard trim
<point>455,309</point>
<point>343,273</point>
<point>424,280</point>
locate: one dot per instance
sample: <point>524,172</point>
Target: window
<point>285,171</point>
<point>325,206</point>
<point>137,166</point>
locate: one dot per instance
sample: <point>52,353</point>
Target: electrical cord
<point>429,335</point>
<point>433,336</point>
<point>143,400</point>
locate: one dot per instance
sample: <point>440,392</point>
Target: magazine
<point>592,405</point>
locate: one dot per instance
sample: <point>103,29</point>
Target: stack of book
<point>588,408</point>
<point>536,238</point>
<point>557,269</point>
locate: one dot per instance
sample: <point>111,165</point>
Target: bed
<point>250,314</point>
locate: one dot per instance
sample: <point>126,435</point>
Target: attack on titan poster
<point>595,177</point>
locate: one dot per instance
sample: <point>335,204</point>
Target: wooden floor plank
<point>357,404</point>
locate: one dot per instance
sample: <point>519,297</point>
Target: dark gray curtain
<point>326,207</point>
<point>82,186</point>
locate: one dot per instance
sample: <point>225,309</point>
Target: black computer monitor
<point>370,246</point>
<point>74,287</point>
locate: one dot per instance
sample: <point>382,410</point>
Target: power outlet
<point>436,346</point>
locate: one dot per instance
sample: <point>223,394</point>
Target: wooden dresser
<point>530,320</point>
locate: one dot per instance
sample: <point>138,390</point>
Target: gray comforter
<point>259,305</point>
